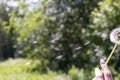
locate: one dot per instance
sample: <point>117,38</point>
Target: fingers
<point>106,72</point>
<point>98,74</point>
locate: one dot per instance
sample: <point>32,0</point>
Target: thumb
<point>103,64</point>
<point>105,70</point>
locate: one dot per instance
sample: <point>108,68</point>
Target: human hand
<point>104,73</point>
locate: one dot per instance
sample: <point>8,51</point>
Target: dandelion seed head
<point>115,36</point>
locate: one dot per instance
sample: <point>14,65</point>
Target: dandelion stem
<point>111,53</point>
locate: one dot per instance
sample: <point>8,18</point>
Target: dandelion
<point>115,38</point>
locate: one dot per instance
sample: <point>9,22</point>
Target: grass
<point>17,69</point>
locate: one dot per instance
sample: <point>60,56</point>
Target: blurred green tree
<point>70,43</point>
<point>6,46</point>
<point>30,22</point>
<point>103,20</point>
<point>56,32</point>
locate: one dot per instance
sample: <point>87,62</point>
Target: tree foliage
<point>103,20</point>
<point>6,46</point>
<point>55,32</point>
<point>70,42</point>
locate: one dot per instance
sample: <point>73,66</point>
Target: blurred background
<point>57,39</point>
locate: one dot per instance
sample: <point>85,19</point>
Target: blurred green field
<point>18,70</point>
